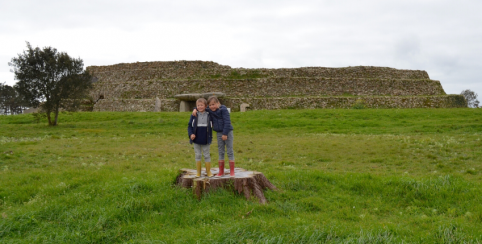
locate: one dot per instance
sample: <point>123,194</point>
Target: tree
<point>50,79</point>
<point>471,98</point>
<point>10,101</point>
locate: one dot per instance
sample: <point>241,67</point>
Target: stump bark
<point>248,183</point>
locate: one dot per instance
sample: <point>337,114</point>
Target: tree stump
<point>247,182</point>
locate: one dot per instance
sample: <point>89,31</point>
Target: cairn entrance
<point>188,101</point>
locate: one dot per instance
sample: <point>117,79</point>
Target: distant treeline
<point>10,100</point>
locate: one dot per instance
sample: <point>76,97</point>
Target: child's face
<point>213,106</point>
<point>201,107</point>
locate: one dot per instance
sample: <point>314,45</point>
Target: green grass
<point>345,176</point>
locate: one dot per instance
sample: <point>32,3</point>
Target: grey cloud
<point>443,37</point>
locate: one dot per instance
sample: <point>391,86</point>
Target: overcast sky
<point>439,36</point>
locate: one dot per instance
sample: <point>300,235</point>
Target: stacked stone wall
<point>136,105</point>
<point>268,87</point>
<point>204,70</point>
<point>451,101</point>
<point>172,105</point>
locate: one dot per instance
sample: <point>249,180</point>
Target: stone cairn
<point>135,87</point>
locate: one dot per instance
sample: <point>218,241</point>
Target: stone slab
<point>196,96</point>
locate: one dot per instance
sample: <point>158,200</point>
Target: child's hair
<point>213,98</point>
<point>202,100</point>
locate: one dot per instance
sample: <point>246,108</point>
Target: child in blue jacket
<point>200,133</point>
<point>224,130</point>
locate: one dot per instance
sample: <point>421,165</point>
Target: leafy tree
<point>471,98</point>
<point>10,101</point>
<point>50,79</point>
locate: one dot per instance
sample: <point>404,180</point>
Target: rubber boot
<point>198,167</point>
<point>221,167</point>
<point>231,168</point>
<point>208,169</point>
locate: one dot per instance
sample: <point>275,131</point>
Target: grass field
<point>345,176</point>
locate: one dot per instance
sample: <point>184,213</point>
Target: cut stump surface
<point>246,182</point>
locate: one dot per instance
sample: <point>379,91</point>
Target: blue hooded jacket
<point>221,120</point>
<point>193,129</point>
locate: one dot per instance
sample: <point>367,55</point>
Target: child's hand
<point>193,136</point>
<point>194,113</point>
<point>224,137</point>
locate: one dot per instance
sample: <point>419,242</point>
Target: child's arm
<point>190,129</point>
<point>227,123</point>
<point>194,112</point>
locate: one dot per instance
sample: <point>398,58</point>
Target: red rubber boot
<point>221,167</point>
<point>231,168</point>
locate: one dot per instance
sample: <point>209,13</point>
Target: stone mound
<point>135,87</point>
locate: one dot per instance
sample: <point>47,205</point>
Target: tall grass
<point>345,176</point>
